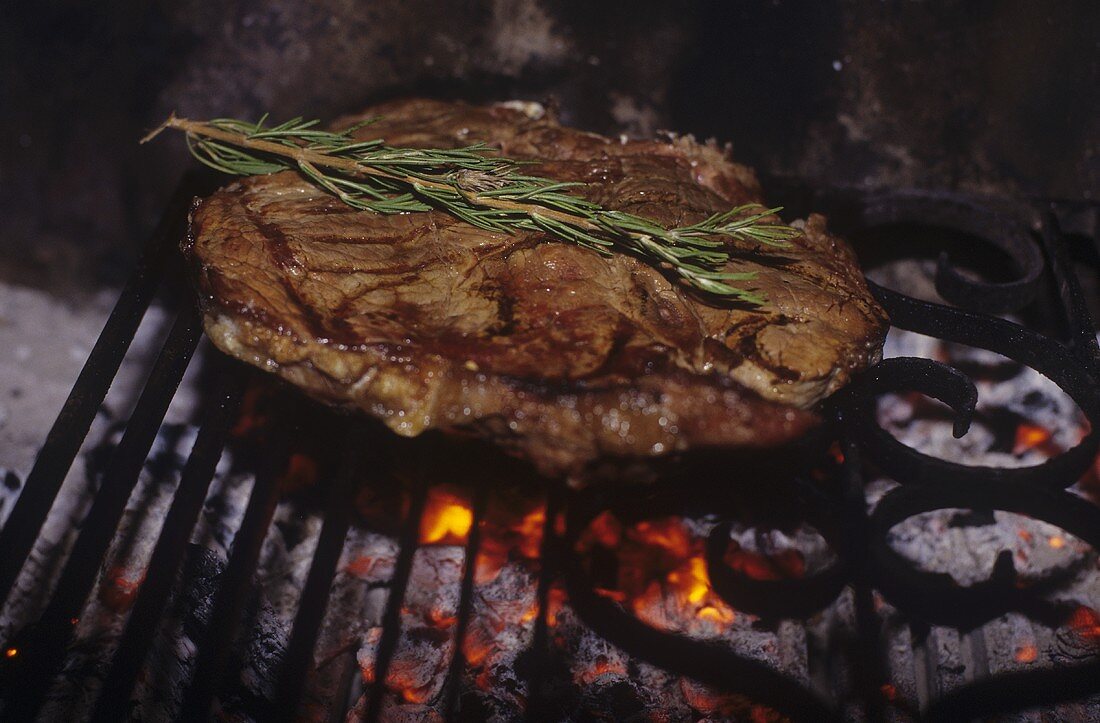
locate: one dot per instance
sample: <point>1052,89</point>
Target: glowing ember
<point>530,530</point>
<point>529,614</point>
<point>713,614</point>
<point>1027,654</point>
<point>783,564</point>
<point>555,600</point>
<point>361,566</point>
<point>889,692</point>
<point>301,472</point>
<point>11,652</point>
<point>1057,542</point>
<point>413,695</point>
<point>616,595</point>
<point>447,519</point>
<point>509,532</point>
<point>602,666</point>
<point>668,533</point>
<point>761,714</point>
<point>606,529</point>
<point>439,619</point>
<point>250,418</point>
<point>119,589</point>
<point>1086,623</point>
<point>475,651</point>
<point>1033,437</point>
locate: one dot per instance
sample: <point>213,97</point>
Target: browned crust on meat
<point>551,350</point>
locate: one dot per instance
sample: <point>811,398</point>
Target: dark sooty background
<point>967,94</point>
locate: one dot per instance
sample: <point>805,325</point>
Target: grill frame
<point>868,563</point>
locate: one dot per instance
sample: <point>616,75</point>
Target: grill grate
<point>866,562</point>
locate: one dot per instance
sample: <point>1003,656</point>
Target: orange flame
<point>447,519</point>
<point>694,581</point>
<point>1057,542</point>
<point>693,584</point>
<point>661,563</point>
<point>11,652</point>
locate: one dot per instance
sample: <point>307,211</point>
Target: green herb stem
<point>487,191</point>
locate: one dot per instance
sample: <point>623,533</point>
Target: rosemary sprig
<point>484,190</point>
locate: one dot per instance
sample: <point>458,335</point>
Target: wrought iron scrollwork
<point>927,483</point>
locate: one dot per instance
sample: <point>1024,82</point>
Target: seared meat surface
<point>555,352</point>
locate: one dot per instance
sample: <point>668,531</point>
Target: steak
<point>558,354</point>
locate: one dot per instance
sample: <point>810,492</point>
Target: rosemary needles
<point>482,189</point>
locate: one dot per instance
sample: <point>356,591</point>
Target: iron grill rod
<point>1081,330</point>
<point>315,594</point>
<point>171,545</point>
<point>391,618</point>
<point>869,668</point>
<point>548,572</point>
<point>45,650</point>
<point>217,641</point>
<point>75,419</point>
<point>465,603</point>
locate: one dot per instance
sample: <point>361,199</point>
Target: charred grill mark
<point>322,327</point>
<point>414,234</point>
<point>506,316</point>
<point>620,362</point>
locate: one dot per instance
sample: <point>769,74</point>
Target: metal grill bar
<point>214,648</point>
<point>548,572</point>
<point>391,618</point>
<point>314,599</point>
<point>170,548</point>
<point>1081,334</point>
<point>869,668</point>
<point>465,603</point>
<point>69,430</point>
<point>46,648</point>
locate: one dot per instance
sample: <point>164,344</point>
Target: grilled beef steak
<point>555,352</point>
